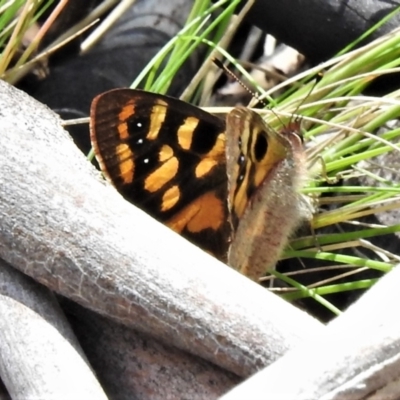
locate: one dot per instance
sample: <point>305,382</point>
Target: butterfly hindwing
<point>265,173</point>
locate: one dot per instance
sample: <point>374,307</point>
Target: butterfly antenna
<point>253,93</point>
<point>262,101</point>
<point>230,73</point>
<point>319,75</point>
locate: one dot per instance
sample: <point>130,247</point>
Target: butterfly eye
<point>261,146</point>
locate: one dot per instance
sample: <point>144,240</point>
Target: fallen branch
<point>130,364</point>
<point>39,355</point>
<point>356,357</point>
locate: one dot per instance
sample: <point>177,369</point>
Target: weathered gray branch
<point>133,365</point>
<point>127,363</point>
<point>356,357</point>
<point>39,355</point>
<point>63,226</point>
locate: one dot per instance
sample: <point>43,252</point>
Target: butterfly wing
<point>168,158</point>
<point>265,171</point>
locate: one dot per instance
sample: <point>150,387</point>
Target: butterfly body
<point>222,184</point>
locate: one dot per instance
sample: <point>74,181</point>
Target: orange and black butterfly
<point>229,186</point>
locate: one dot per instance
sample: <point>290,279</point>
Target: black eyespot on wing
<point>260,146</point>
<point>138,126</point>
<point>205,135</point>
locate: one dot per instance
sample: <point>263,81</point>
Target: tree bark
<point>130,364</point>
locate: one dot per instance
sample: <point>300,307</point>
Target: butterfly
<point>229,186</point>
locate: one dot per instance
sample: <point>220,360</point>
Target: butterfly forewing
<point>168,158</point>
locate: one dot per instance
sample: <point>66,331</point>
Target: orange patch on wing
<point>207,211</point>
<point>166,153</point>
<point>123,115</point>
<point>157,118</point>
<point>185,132</point>
<point>239,191</point>
<point>125,162</point>
<point>218,150</point>
<point>240,199</point>
<point>205,166</point>
<point>170,198</point>
<point>157,179</point>
<point>276,153</point>
<point>212,158</point>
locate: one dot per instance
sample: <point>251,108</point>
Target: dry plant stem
<point>44,28</point>
<point>13,75</point>
<point>67,229</point>
<point>88,20</point>
<point>9,50</point>
<point>39,355</point>
<point>356,357</point>
<point>167,17</point>
<point>211,79</point>
<point>110,20</point>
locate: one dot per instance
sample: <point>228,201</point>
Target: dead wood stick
<point>39,355</point>
<point>356,357</point>
<point>130,364</point>
<point>64,227</point>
